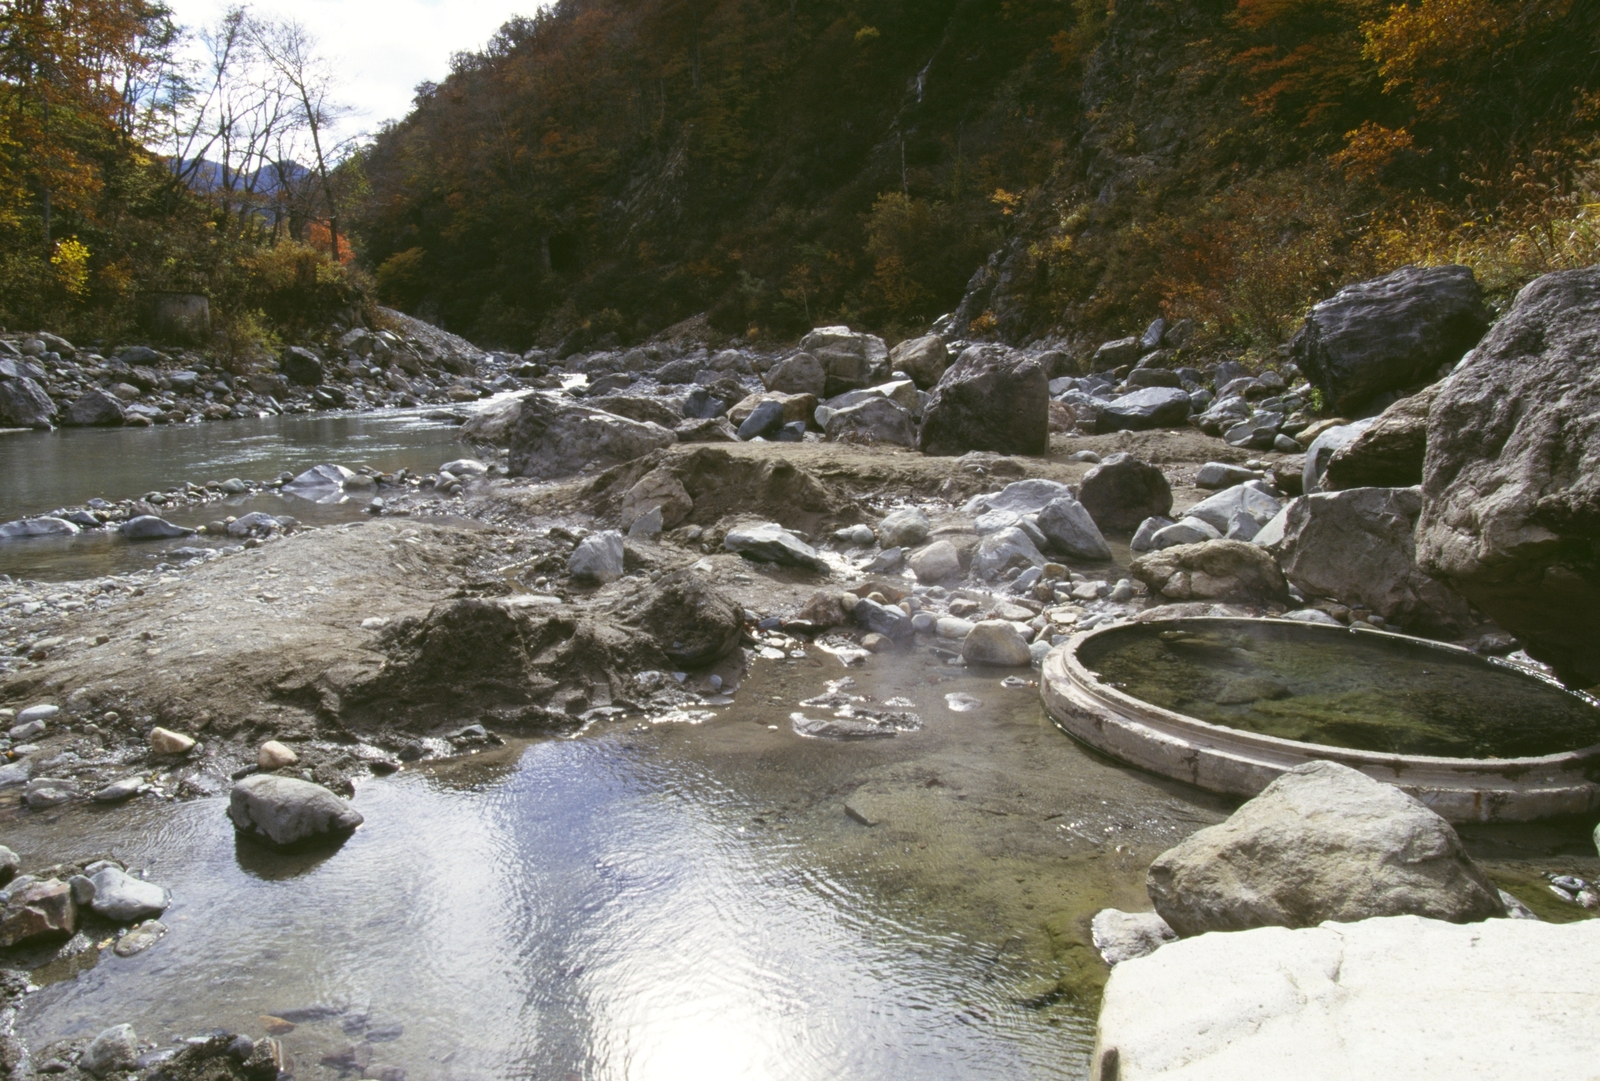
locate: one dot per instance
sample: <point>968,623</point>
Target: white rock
<point>1400,997</point>
<point>274,755</point>
<point>164,741</point>
<point>1121,936</point>
<point>598,557</point>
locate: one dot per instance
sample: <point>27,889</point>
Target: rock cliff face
<point>1511,481</point>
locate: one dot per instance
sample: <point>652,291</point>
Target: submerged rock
<point>1322,842</point>
<point>286,812</point>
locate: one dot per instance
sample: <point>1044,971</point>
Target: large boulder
<point>288,813</point>
<point>1238,512</point>
<point>1511,483</point>
<point>37,527</point>
<point>1396,997</point>
<point>24,404</point>
<point>1322,842</point>
<point>96,409</point>
<point>1390,333</point>
<point>554,438</point>
<point>799,374</point>
<point>1388,453</point>
<point>1142,410</point>
<point>875,420</point>
<point>300,366</point>
<point>1357,547</point>
<point>1123,491</point>
<point>636,407</point>
<point>923,359</point>
<point>37,909</point>
<point>904,528</point>
<point>850,360</point>
<point>990,399</point>
<point>1226,571</point>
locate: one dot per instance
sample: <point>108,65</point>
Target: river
<point>45,471</point>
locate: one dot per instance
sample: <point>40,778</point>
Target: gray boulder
<point>849,359</point>
<point>1358,548</point>
<point>693,622</point>
<point>24,404</point>
<point>1071,530</point>
<point>769,542</point>
<point>1322,449</point>
<point>1390,333</point>
<point>1185,530</point>
<point>300,366</point>
<point>150,527</point>
<point>1239,512</point>
<point>1511,482</point>
<point>644,410</point>
<point>287,812</point>
<point>1322,842</point>
<point>875,420</point>
<point>121,897</point>
<point>1144,537</point>
<point>1123,491</point>
<point>1142,410</point>
<point>990,399</point>
<point>1388,453</point>
<point>96,409</point>
<point>1225,571</point>
<point>904,528</point>
<point>1002,550</point>
<point>1019,497</point>
<point>799,374</point>
<point>597,558</point>
<point>923,359</point>
<point>555,438</point>
<point>1216,475</point>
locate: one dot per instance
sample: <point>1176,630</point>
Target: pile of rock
<point>47,380</point>
<point>50,904</point>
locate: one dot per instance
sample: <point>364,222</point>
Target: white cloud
<point>382,48</point>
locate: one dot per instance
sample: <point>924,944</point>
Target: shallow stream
<point>659,901</point>
<point>45,471</point>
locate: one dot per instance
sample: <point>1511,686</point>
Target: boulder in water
<point>287,812</point>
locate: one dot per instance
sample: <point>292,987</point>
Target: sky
<point>382,48</point>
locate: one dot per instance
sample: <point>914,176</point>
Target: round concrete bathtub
<point>1404,694</point>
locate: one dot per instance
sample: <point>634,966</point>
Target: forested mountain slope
<point>613,166</point>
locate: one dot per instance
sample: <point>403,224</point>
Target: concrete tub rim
<point>1064,673</point>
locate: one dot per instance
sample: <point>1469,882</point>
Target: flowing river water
<point>647,902</point>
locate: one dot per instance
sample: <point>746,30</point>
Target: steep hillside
<point>614,166</point>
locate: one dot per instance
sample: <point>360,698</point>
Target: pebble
<point>118,791</point>
<point>274,755</point>
<point>38,713</point>
<point>164,741</point>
